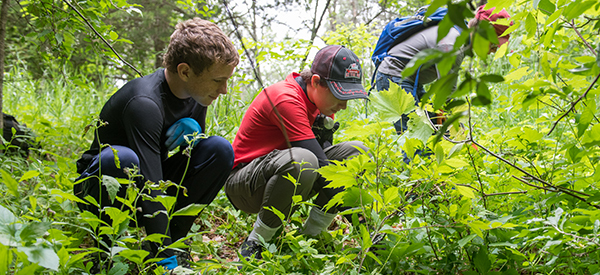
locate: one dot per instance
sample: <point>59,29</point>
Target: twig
<point>505,193</point>
<point>572,24</point>
<point>101,37</point>
<point>574,103</point>
<point>575,236</point>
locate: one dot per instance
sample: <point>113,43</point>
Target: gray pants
<point>262,182</point>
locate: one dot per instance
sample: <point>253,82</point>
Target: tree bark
<point>3,19</point>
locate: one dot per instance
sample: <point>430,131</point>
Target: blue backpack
<point>400,29</point>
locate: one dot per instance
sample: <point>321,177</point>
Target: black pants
<point>210,162</point>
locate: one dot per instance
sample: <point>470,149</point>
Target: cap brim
<point>347,90</point>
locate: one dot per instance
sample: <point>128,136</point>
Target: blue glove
<point>179,129</point>
<point>168,263</point>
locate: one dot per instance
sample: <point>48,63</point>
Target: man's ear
<point>184,71</point>
<point>315,80</point>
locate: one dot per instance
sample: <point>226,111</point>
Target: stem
<point>574,103</point>
<point>101,37</point>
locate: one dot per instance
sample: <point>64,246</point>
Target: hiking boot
<point>251,249</point>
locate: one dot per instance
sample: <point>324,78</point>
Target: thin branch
<point>574,103</point>
<point>572,24</point>
<point>506,193</point>
<point>575,236</point>
<point>101,37</point>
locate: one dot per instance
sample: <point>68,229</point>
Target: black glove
<point>323,128</point>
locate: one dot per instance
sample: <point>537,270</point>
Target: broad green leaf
<point>592,136</point>
<point>29,174</point>
<point>422,60</point>
<point>338,176</point>
<point>494,78</point>
<point>45,257</point>
<point>356,197</point>
<point>136,256</point>
<point>498,4</point>
<point>116,215</point>
<point>552,18</point>
<point>28,270</point>
<point>439,153</point>
<point>456,163</point>
<point>456,14</point>
<point>113,35</point>
<point>167,201</point>
<point>545,6</point>
<point>5,259</point>
<point>393,103</point>
<point>190,210</point>
<point>390,194</point>
<point>482,261</point>
<point>530,25</point>
<point>112,186</point>
<point>577,8</point>
<point>67,196</point>
<point>34,230</point>
<point>484,96</point>
<point>366,237</point>
<point>501,51</point>
<point>481,46</point>
<point>297,198</point>
<point>441,88</point>
<point>119,268</point>
<point>465,191</point>
<point>455,150</point>
<point>435,4</point>
<point>11,184</point>
<point>517,74</point>
<point>419,127</point>
<point>157,238</point>
<point>466,240</point>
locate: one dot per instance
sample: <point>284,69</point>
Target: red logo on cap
<point>353,71</point>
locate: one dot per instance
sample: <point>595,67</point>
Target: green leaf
<point>577,8</point>
<point>275,211</point>
<point>419,127</point>
<point>481,46</point>
<point>530,25</point>
<point>390,194</point>
<point>425,58</point>
<point>67,196</point>
<point>442,88</point>
<point>34,230</point>
<point>29,174</point>
<point>167,201</point>
<point>5,259</point>
<point>482,261</point>
<point>45,257</point>
<point>466,240</point>
<point>136,256</point>
<point>439,153</point>
<point>366,237</point>
<point>11,184</point>
<point>544,6</point>
<point>112,186</point>
<point>491,78</point>
<point>113,35</point>
<point>484,97</point>
<point>390,105</point>
<point>465,191</point>
<point>119,268</point>
<point>190,210</point>
<point>356,197</point>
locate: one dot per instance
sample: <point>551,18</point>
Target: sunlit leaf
<point>190,210</point>
<point>391,104</point>
<point>10,182</point>
<point>45,257</point>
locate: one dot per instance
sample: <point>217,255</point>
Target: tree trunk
<point>3,19</point>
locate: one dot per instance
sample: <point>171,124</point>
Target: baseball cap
<point>341,69</point>
<point>488,15</point>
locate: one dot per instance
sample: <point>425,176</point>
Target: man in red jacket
<point>263,159</point>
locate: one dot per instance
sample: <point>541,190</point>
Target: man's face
<point>326,102</point>
<point>205,87</point>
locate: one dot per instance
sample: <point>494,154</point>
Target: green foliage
<point>510,185</point>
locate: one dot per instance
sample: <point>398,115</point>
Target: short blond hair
<point>199,43</point>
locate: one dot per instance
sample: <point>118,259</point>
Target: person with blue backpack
<point>403,38</point>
